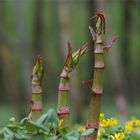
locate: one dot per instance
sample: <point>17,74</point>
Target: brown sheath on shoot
<point>63,109</point>
<point>36,82</point>
<point>96,86</point>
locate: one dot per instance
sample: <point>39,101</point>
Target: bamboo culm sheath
<point>36,82</point>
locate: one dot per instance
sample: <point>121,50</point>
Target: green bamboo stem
<point>36,82</point>
<point>63,108</point>
<point>99,66</point>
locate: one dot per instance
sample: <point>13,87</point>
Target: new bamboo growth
<point>97,85</point>
<point>63,109</point>
<point>36,82</point>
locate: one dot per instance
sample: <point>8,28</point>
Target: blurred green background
<point>32,27</point>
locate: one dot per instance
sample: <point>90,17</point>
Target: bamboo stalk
<point>63,109</point>
<point>100,50</point>
<point>36,82</point>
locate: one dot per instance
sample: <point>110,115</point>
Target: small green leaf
<point>33,126</point>
<point>48,119</point>
<point>73,135</point>
<point>88,132</point>
<point>42,119</point>
<point>8,134</point>
<point>12,120</point>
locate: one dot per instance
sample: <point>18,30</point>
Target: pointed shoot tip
<point>38,59</point>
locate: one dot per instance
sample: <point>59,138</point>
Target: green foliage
<point>88,132</point>
<point>47,127</point>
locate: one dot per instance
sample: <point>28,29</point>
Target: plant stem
<point>36,82</point>
<point>63,109</point>
<point>99,66</point>
<point>63,100</point>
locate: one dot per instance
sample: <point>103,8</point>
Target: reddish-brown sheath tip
<point>38,59</point>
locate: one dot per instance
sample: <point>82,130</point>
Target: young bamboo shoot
<point>36,82</point>
<point>71,62</point>
<point>100,49</point>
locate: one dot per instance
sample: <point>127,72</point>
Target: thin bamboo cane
<point>63,109</point>
<point>100,50</point>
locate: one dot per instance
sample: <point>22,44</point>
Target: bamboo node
<point>92,125</point>
<point>99,51</point>
<point>36,89</point>
<point>63,87</point>
<point>36,106</point>
<point>97,91</point>
<point>63,111</point>
<point>99,65</point>
<point>65,74</point>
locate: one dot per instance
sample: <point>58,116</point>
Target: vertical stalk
<point>63,109</point>
<point>36,82</point>
<point>99,66</point>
